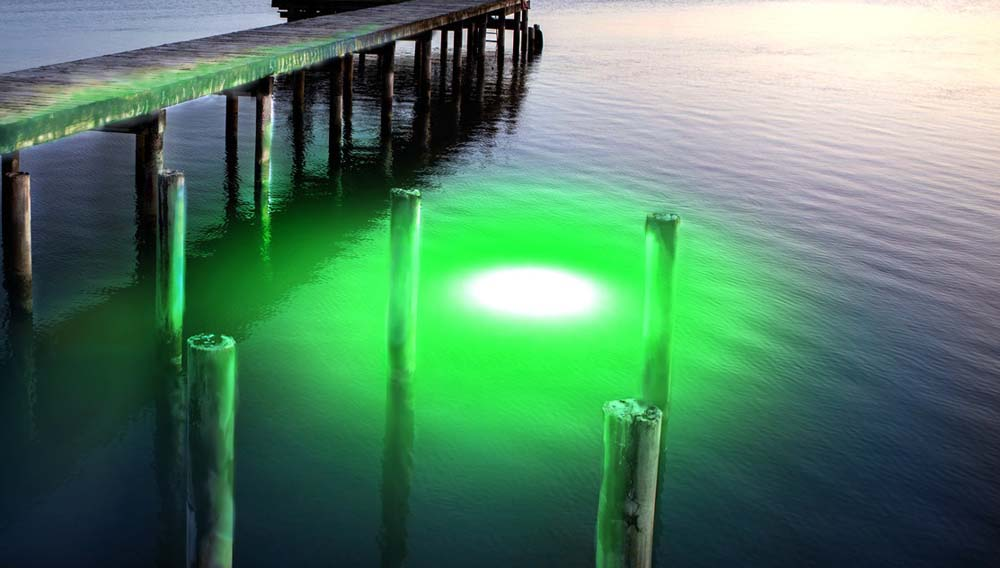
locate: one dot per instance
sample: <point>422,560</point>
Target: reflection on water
<point>834,397</point>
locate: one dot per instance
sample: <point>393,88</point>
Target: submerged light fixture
<point>536,292</point>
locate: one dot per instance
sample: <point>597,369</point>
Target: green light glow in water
<point>535,292</point>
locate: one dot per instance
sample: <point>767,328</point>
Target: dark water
<point>836,397</point>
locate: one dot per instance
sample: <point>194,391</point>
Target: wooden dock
<point>47,103</point>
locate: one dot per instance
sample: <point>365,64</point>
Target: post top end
<point>211,342</point>
<point>663,218</point>
<point>632,410</point>
<point>399,193</point>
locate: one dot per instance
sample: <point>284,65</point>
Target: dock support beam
<point>626,508</point>
<point>262,140</point>
<point>17,240</point>
<point>232,128</point>
<point>336,110</point>
<point>516,54</point>
<point>481,44</point>
<point>298,122</point>
<point>456,61</point>
<point>524,32</point>
<point>501,36</point>
<point>424,53</point>
<point>470,59</point>
<point>387,69</point>
<point>444,54</point>
<point>348,86</point>
<point>212,375</point>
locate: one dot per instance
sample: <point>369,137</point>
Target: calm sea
<point>836,394</point>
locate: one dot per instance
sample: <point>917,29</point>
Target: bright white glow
<point>533,292</point>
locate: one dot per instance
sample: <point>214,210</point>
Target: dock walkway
<point>46,103</point>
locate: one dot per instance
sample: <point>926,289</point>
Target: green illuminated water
<point>833,398</point>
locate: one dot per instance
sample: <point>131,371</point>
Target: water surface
<point>837,363</point>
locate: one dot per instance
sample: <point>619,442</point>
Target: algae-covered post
<point>212,377</point>
<point>628,487</point>
<point>17,239</point>
<point>658,317</point>
<point>170,230</point>
<point>171,385</point>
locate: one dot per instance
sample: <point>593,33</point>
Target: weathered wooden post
<point>336,111</point>
<point>262,138</point>
<point>387,69</point>
<point>232,145</point>
<point>658,322</point>
<point>536,39</point>
<point>524,32</point>
<point>424,66</point>
<point>148,164</point>
<point>171,384</point>
<point>481,45</point>
<point>348,85</point>
<point>212,376</point>
<point>501,35</point>
<point>516,55</point>
<point>626,507</point>
<point>397,465</point>
<point>298,123</point>
<point>456,61</point>
<point>470,59</point>
<point>9,164</point>
<point>531,42</point>
<point>17,240</point>
<point>361,63</point>
<point>170,232</point>
<point>444,53</point>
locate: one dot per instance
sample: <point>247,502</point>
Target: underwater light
<point>533,292</point>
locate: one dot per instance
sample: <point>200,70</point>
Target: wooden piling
<point>298,123</point>
<point>336,133</point>
<point>481,45</point>
<point>524,32</point>
<point>212,377</point>
<point>516,44</point>
<point>170,232</point>
<point>171,384</point>
<point>348,86</point>
<point>232,122</point>
<point>658,322</point>
<point>456,61</point>
<point>444,53</point>
<point>501,35</point>
<point>361,63</point>
<point>9,164</point>
<point>17,240</point>
<point>148,164</point>
<point>424,76</point>
<point>531,42</point>
<point>387,69</point>
<point>404,247</point>
<point>626,507</point>
<point>470,60</point>
<point>262,138</point>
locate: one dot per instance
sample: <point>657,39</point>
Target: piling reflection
<point>397,463</point>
